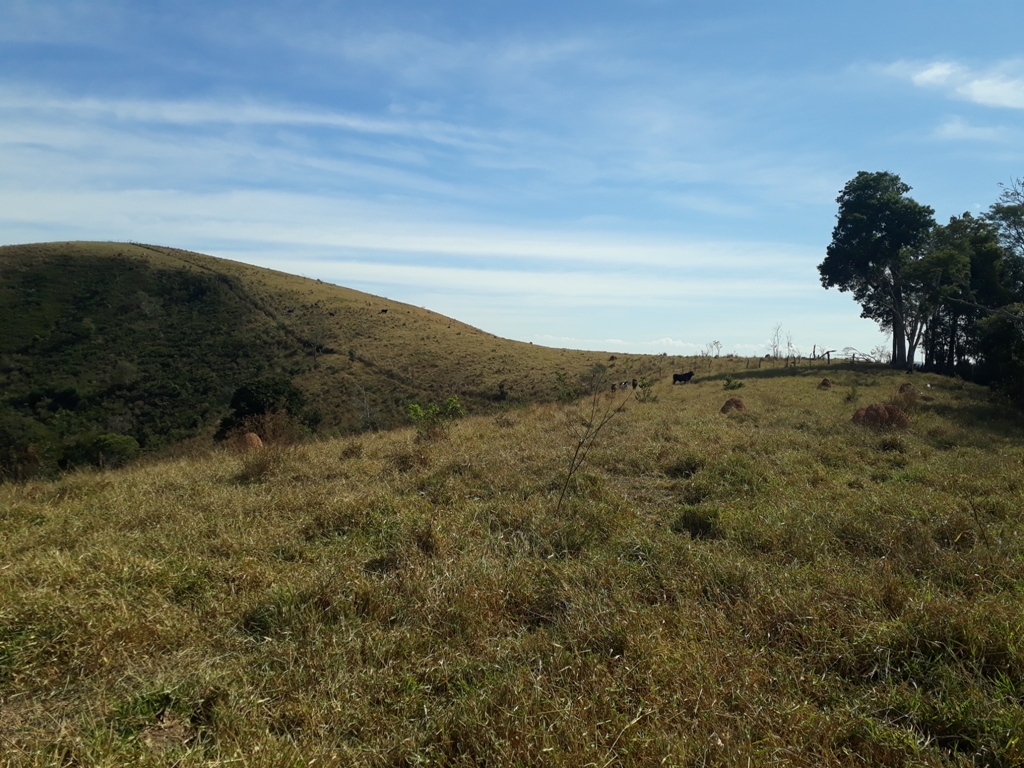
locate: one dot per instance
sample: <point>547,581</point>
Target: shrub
<point>269,395</point>
<point>643,392</point>
<point>434,421</point>
<point>565,392</point>
<point>27,448</point>
<point>731,383</point>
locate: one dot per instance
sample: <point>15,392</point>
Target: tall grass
<point>774,587</point>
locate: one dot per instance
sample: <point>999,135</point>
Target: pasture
<point>773,587</point>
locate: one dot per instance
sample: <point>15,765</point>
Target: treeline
<point>952,295</point>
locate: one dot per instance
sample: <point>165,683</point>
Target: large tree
<point>878,232</point>
<point>1008,215</point>
<point>960,265</point>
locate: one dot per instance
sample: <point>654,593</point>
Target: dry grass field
<point>772,587</point>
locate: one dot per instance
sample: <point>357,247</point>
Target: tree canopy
<point>956,290</point>
<point>877,230</point>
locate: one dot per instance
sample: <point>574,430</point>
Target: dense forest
<point>951,294</point>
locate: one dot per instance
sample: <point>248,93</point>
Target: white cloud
<point>956,128</point>
<point>580,288</point>
<point>995,91</point>
<point>327,225</point>
<point>999,86</point>
<point>936,74</point>
<point>198,113</point>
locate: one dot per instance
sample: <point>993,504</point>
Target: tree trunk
<point>951,349</point>
<point>899,341</point>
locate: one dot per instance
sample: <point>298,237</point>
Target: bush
<point>433,422</point>
<point>269,395</point>
<point>644,393</point>
<point>27,448</point>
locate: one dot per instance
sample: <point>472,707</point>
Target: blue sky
<point>640,176</point>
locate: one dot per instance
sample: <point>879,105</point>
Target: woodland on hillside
<point>112,350</point>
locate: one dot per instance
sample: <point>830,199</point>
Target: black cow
<point>682,377</point>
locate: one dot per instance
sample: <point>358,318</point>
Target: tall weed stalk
<point>586,432</point>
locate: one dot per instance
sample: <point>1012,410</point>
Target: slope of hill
<point>152,343</point>
<point>775,587</point>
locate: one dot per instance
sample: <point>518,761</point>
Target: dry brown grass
<point>775,588</point>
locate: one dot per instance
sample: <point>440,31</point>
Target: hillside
<point>152,343</point>
<point>775,587</point>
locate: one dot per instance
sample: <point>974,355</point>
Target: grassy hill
<point>152,343</point>
<point>774,587</point>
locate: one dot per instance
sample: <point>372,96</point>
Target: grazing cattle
<point>682,377</point>
<point>383,311</point>
<point>635,383</point>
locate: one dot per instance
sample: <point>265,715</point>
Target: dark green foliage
<point>1001,344</point>
<point>1008,215</point>
<point>955,290</point>
<point>268,395</point>
<point>877,227</point>
<point>112,344</point>
<point>96,345</point>
<point>102,450</point>
<point>27,447</point>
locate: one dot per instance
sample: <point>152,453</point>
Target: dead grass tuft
<point>734,404</point>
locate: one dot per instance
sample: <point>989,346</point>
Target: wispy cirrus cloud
<point>209,112</point>
<point>956,128</point>
<point>999,86</point>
